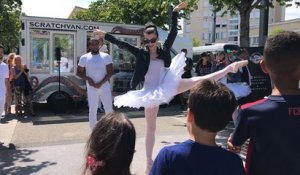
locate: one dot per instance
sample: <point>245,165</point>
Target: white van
<point>214,48</point>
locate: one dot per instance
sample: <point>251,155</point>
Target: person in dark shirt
<point>203,66</point>
<point>189,66</point>
<point>273,123</point>
<point>209,110</point>
<point>220,62</point>
<point>187,74</point>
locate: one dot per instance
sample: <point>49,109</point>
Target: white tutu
<point>154,96</point>
<point>239,89</point>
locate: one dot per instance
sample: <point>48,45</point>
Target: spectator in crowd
<point>110,148</point>
<point>245,74</point>
<point>209,111</point>
<point>272,123</point>
<point>4,75</point>
<point>186,74</point>
<point>243,54</point>
<point>232,56</point>
<point>203,66</point>
<point>22,88</point>
<point>10,87</point>
<point>189,65</point>
<point>96,68</point>
<point>220,62</point>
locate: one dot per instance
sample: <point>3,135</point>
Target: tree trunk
<point>244,26</point>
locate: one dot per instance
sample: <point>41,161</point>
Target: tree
<point>276,31</point>
<point>196,42</point>
<point>132,11</point>
<point>244,8</point>
<point>10,11</point>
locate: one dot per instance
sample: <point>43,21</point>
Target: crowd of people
<point>15,86</point>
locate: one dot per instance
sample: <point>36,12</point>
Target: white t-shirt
<point>95,66</point>
<point>3,75</point>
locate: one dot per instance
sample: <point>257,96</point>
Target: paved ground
<point>54,144</point>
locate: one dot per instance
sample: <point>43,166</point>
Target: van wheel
<point>59,102</point>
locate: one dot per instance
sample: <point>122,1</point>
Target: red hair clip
<point>93,163</point>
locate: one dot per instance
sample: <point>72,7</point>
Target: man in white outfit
<point>3,80</point>
<point>96,68</point>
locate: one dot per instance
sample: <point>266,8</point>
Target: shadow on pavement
<point>13,162</point>
<point>45,116</point>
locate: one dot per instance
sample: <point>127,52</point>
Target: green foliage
<point>196,42</point>
<point>10,11</point>
<point>132,11</point>
<point>276,31</point>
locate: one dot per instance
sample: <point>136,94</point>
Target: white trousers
<point>94,95</point>
<point>2,103</point>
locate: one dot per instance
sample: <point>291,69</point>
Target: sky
<point>52,8</point>
<point>62,8</point>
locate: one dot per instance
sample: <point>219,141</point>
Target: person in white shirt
<point>96,68</point>
<point>4,74</point>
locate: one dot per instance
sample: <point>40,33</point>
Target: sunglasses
<point>147,41</point>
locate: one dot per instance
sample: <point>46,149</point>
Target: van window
<point>65,41</point>
<point>39,51</point>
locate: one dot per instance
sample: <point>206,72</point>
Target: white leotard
<point>155,71</point>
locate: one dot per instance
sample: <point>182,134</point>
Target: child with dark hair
<point>110,147</point>
<point>209,110</point>
<point>273,123</point>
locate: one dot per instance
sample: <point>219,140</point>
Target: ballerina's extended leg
<point>187,84</point>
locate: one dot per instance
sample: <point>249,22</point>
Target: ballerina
<point>162,79</point>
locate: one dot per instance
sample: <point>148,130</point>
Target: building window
<point>233,27</point>
<point>254,40</point>
<point>224,35</point>
<point>39,51</point>
<point>234,21</point>
<point>233,33</point>
<point>235,38</point>
<point>218,36</point>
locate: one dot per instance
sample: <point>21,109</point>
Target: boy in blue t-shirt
<point>210,108</point>
<point>273,123</point>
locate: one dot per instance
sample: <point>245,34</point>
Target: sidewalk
<point>55,144</point>
<point>67,159</point>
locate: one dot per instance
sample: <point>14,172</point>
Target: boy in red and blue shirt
<point>273,123</point>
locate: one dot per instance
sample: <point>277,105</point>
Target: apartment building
<point>290,25</point>
<point>227,26</point>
